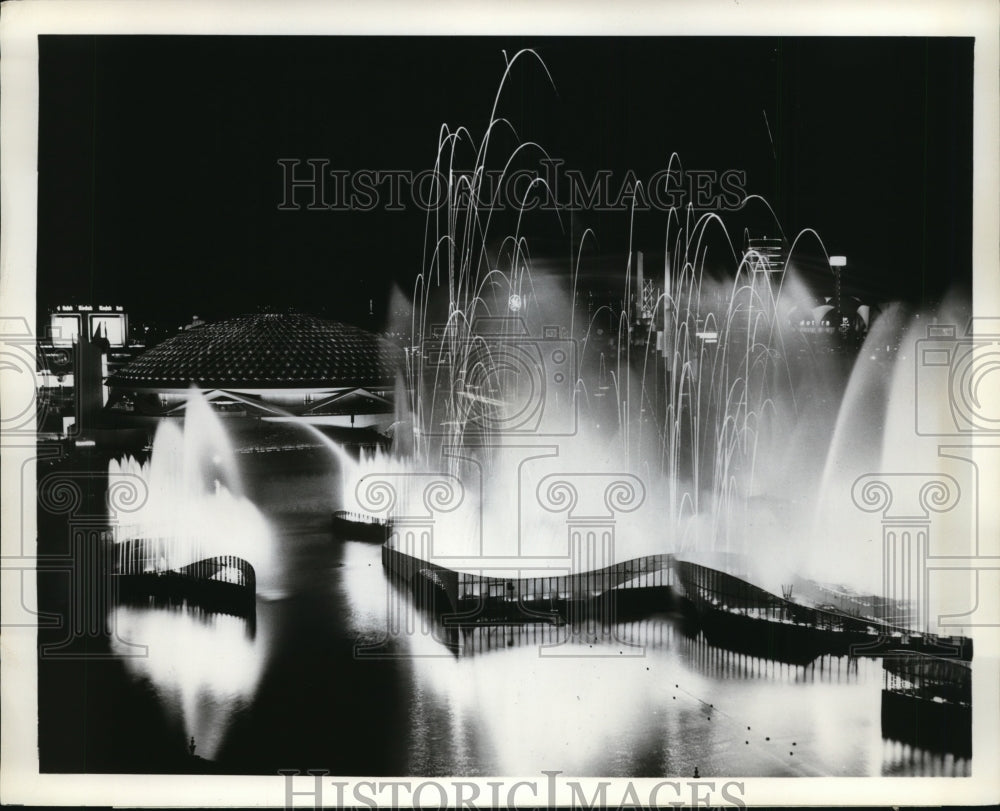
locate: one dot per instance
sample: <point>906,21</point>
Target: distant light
<point>708,337</point>
<point>85,443</point>
<point>838,261</point>
<point>514,303</point>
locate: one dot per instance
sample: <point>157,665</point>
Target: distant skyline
<point>161,187</point>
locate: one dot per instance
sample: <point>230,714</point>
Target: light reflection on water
<point>498,707</point>
<point>607,716</point>
<point>501,708</point>
<point>204,666</point>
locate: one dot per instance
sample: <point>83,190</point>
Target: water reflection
<point>488,701</point>
<point>204,667</point>
<point>903,760</point>
<point>606,715</point>
<point>480,700</point>
<point>492,700</point>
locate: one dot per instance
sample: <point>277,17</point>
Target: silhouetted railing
<point>929,677</point>
<point>224,569</point>
<point>357,527</point>
<point>927,702</point>
<point>465,590</point>
<point>223,583</point>
<point>725,598</point>
<point>644,572</point>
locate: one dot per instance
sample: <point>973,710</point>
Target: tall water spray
<point>736,422</point>
<point>205,666</point>
<point>191,504</point>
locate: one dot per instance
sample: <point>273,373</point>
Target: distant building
<point>67,321</point>
<point>272,366</point>
<point>766,254</point>
<point>822,317</point>
<point>80,339</point>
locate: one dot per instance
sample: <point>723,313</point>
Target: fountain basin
<point>737,614</point>
<point>225,585</point>
<point>351,526</point>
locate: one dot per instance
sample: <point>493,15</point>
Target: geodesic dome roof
<point>269,350</point>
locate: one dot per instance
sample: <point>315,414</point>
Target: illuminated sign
<point>86,308</point>
<point>110,323</point>
<point>110,327</point>
<point>65,329</point>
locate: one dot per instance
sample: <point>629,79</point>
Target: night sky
<point>159,181</point>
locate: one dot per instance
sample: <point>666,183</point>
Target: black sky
<point>159,183</point>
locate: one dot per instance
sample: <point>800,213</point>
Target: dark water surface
<point>289,692</point>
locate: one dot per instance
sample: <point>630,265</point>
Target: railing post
<point>412,501</point>
<point>90,558</point>
<point>905,501</point>
<point>591,502</point>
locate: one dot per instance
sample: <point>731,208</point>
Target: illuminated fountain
<point>193,509</point>
<point>737,426</point>
<point>500,356</point>
<point>741,437</point>
<point>188,556</point>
